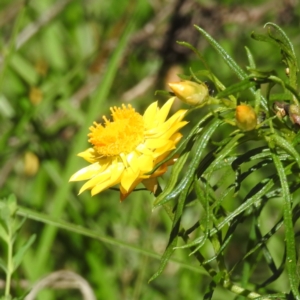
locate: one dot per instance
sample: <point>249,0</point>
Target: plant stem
<point>9,264</point>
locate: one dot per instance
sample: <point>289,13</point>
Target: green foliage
<point>275,163</point>
<point>9,228</point>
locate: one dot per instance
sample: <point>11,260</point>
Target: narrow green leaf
<point>173,235</point>
<point>180,163</point>
<point>58,223</point>
<point>25,70</point>
<point>205,220</point>
<point>177,167</point>
<point>18,257</point>
<point>200,146</point>
<point>213,284</point>
<point>284,39</point>
<point>281,40</point>
<point>263,38</point>
<point>3,265</point>
<point>230,62</point>
<point>291,259</point>
<point>11,49</point>
<point>286,146</point>
<point>221,156</point>
<point>250,58</point>
<point>285,85</point>
<point>237,87</point>
<point>259,191</point>
<point>3,231</point>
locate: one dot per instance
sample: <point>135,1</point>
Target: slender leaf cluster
<point>233,177</point>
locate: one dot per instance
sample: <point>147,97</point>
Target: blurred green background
<point>62,65</point>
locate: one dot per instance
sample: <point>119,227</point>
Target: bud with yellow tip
<point>190,92</point>
<point>31,164</point>
<point>245,117</point>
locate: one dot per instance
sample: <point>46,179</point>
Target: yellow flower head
<point>125,149</point>
<point>245,117</point>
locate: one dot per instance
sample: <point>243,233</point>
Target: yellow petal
<point>88,155</point>
<point>170,145</point>
<point>124,193</point>
<point>98,179</point>
<point>176,118</point>
<point>128,178</point>
<point>130,160</point>
<point>164,111</point>
<point>116,173</point>
<point>156,143</point>
<point>87,172</point>
<point>146,163</point>
<point>99,188</point>
<point>173,130</point>
<point>150,114</point>
<point>113,180</point>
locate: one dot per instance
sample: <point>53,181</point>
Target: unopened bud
<point>245,117</point>
<point>294,113</point>
<point>190,92</point>
<point>31,164</point>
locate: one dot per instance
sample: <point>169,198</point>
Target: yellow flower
<point>245,117</point>
<point>125,149</point>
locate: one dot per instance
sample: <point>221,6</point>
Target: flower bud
<point>281,109</point>
<point>245,117</point>
<point>190,92</point>
<point>294,114</point>
<point>31,164</point>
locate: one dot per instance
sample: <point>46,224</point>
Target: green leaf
<point>58,223</point>
<point>291,259</point>
<point>285,145</point>
<point>230,62</point>
<point>263,38</point>
<point>4,231</point>
<point>212,286</point>
<point>250,58</point>
<point>173,235</point>
<point>3,265</point>
<point>17,259</point>
<point>237,87</point>
<point>7,211</point>
<point>286,46</point>
<point>281,40</point>
<point>254,196</point>
<point>12,204</point>
<point>25,70</point>
<point>223,153</point>
<point>176,169</point>
<point>205,220</point>
<point>200,145</point>
<point>185,146</point>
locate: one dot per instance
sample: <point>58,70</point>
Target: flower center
<point>122,135</point>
